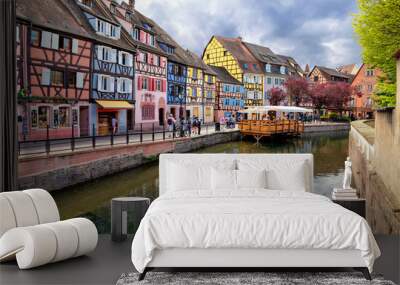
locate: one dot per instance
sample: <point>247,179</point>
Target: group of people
<point>184,127</point>
<point>229,122</point>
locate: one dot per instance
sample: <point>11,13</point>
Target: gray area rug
<point>228,278</point>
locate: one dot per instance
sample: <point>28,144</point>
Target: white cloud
<point>315,32</point>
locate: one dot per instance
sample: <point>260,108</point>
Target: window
<point>43,117</point>
<point>34,118</point>
<point>269,80</point>
<point>64,117</point>
<point>125,58</point>
<point>151,40</point>
<point>245,66</point>
<point>71,77</point>
<point>145,83</point>
<point>136,34</point>
<point>158,85</point>
<point>148,112</point>
<point>64,43</point>
<point>35,38</point>
<point>156,60</point>
<point>113,8</point>
<point>106,54</point>
<point>283,70</point>
<point>128,16</point>
<point>316,78</point>
<point>268,67</point>
<point>57,77</point>
<point>55,118</point>
<point>145,56</point>
<point>225,53</point>
<point>105,83</point>
<point>106,29</point>
<point>276,81</point>
<point>370,88</point>
<point>255,66</point>
<point>369,72</point>
<point>124,85</point>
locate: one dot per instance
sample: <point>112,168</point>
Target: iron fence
<point>141,134</point>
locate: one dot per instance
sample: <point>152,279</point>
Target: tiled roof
<point>333,72</point>
<point>239,51</point>
<point>224,76</point>
<point>179,55</point>
<point>292,64</point>
<point>348,68</point>
<point>67,16</point>
<point>264,54</point>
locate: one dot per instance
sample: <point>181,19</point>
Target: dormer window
<point>151,40</point>
<point>147,26</point>
<point>268,67</point>
<point>106,29</point>
<point>167,48</point>
<point>245,66</point>
<point>86,2</point>
<point>128,16</point>
<point>283,70</point>
<point>113,8</point>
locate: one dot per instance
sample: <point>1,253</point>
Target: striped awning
<point>108,104</point>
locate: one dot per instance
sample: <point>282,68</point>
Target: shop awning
<point>108,104</point>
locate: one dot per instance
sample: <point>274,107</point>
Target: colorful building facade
<point>53,69</point>
<point>232,54</point>
<point>321,74</point>
<point>113,73</point>
<point>194,92</point>
<point>209,94</point>
<point>150,64</point>
<point>277,68</point>
<point>230,94</point>
<point>364,83</point>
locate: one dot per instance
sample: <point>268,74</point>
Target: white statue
<point>347,174</point>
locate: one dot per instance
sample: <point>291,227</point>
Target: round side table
<point>136,206</point>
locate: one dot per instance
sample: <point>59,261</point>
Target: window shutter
<point>100,52</point>
<point>119,84</point>
<point>112,82</point>
<point>79,79</point>
<point>46,39</point>
<point>113,55</point>
<point>120,57</point>
<point>46,76</point>
<point>164,85</point>
<point>99,80</point>
<point>142,36</point>
<point>118,32</point>
<point>54,41</point>
<point>75,46</point>
<point>139,83</point>
<point>130,60</point>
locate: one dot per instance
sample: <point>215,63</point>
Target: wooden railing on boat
<point>262,128</point>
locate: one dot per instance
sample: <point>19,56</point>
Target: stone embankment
<point>59,170</point>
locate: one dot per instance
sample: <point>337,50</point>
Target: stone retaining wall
<point>58,171</point>
<point>324,127</point>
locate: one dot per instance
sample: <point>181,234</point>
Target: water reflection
<point>92,199</point>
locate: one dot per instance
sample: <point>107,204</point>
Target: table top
<point>130,199</point>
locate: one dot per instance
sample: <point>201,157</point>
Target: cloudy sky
<point>312,31</point>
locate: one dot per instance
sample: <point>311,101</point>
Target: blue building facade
<point>176,92</point>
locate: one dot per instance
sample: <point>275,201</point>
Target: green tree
<point>378,28</point>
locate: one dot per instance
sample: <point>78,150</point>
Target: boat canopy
<point>266,109</point>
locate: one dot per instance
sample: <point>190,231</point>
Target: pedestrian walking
<point>114,124</point>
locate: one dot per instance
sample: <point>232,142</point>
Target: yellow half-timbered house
<point>232,54</point>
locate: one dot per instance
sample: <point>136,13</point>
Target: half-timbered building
<point>364,83</point>
<point>210,94</point>
<point>54,61</point>
<point>277,68</point>
<point>232,54</point>
<point>230,94</point>
<point>113,71</point>
<point>150,64</point>
<point>321,74</point>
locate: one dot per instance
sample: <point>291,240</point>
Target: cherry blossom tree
<point>297,89</point>
<point>276,96</point>
<point>334,95</point>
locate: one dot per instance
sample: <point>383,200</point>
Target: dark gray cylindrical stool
<point>120,207</point>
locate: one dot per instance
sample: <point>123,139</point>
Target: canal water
<point>92,199</point>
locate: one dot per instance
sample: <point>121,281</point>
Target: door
<point>84,121</point>
<point>173,112</point>
<point>161,116</point>
<point>187,113</point>
<point>129,119</point>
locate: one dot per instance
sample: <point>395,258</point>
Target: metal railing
<point>143,134</point>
